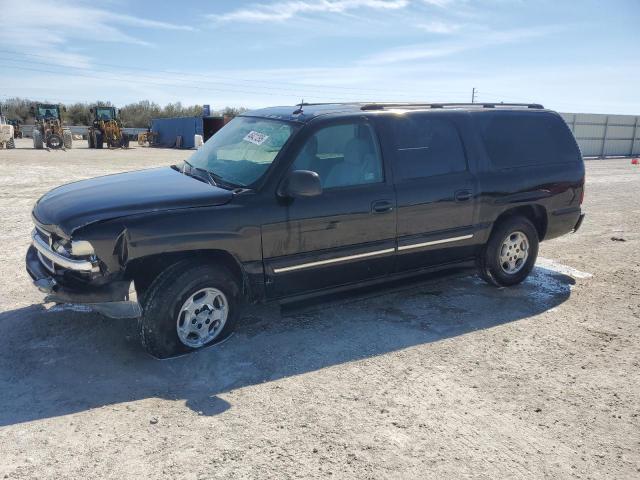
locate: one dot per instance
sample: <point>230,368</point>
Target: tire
<point>54,141</point>
<point>67,139</point>
<point>124,141</point>
<point>11,144</point>
<point>113,142</point>
<point>37,140</point>
<point>170,292</point>
<point>509,232</point>
<point>97,139</point>
<point>90,143</point>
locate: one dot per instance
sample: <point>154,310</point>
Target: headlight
<point>81,248</point>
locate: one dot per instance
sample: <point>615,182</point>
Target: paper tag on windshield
<point>256,137</point>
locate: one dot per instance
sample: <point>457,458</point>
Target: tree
<point>137,114</point>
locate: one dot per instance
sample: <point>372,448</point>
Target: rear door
<point>345,235</point>
<point>435,188</point>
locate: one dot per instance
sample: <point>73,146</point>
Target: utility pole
<point>473,95</point>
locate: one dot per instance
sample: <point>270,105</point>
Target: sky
<point>571,56</point>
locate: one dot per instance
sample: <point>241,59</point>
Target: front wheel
<point>511,252</point>
<point>187,307</point>
<point>97,139</point>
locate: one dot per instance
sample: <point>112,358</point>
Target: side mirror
<point>301,183</point>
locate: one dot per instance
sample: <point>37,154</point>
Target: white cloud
<point>438,3</point>
<point>482,39</point>
<point>282,11</point>
<point>439,27</point>
<point>48,27</point>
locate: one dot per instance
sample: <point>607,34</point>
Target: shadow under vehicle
<point>65,360</point>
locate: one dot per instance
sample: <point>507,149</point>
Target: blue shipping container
<point>169,129</point>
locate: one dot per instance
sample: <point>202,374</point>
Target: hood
<point>77,204</point>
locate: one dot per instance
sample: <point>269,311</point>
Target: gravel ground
<point>444,377</point>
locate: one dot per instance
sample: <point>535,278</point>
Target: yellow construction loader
<point>49,129</point>
<point>106,128</point>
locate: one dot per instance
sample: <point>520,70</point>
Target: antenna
<point>298,111</point>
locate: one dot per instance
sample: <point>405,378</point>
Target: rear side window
<point>426,147</point>
<point>519,139</point>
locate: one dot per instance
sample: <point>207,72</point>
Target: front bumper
<point>112,299</point>
<point>578,223</point>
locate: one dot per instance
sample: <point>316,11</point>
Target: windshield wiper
<point>207,174</point>
<point>224,182</point>
<point>214,179</point>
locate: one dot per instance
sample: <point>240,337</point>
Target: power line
<point>190,76</point>
<point>180,83</point>
<point>151,79</point>
<point>201,86</point>
<point>164,84</point>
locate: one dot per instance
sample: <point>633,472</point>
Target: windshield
<point>242,151</point>
<point>48,112</point>
<point>105,114</point>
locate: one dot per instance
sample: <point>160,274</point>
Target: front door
<point>346,234</point>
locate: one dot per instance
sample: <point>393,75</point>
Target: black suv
<point>296,201</point>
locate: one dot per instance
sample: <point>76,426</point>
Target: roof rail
<point>382,106</point>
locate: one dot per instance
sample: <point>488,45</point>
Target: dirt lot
<point>442,378</point>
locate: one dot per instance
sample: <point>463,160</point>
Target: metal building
<point>600,135</point>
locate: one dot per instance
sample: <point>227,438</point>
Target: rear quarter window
<point>520,139</point>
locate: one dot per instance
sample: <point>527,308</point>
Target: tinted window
<point>516,139</point>
<point>426,147</point>
<point>342,155</point>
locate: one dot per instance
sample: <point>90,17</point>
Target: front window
<point>242,151</point>
<point>343,155</point>
<point>48,112</point>
<point>105,114</point>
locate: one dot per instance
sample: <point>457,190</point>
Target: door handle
<point>381,206</point>
<point>463,195</point>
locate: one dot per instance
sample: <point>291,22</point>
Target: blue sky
<point>573,56</point>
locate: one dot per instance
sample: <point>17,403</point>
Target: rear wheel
<point>11,143</point>
<point>511,252</point>
<point>187,307</point>
<point>90,143</point>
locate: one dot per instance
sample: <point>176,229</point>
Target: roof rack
<point>382,106</point>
